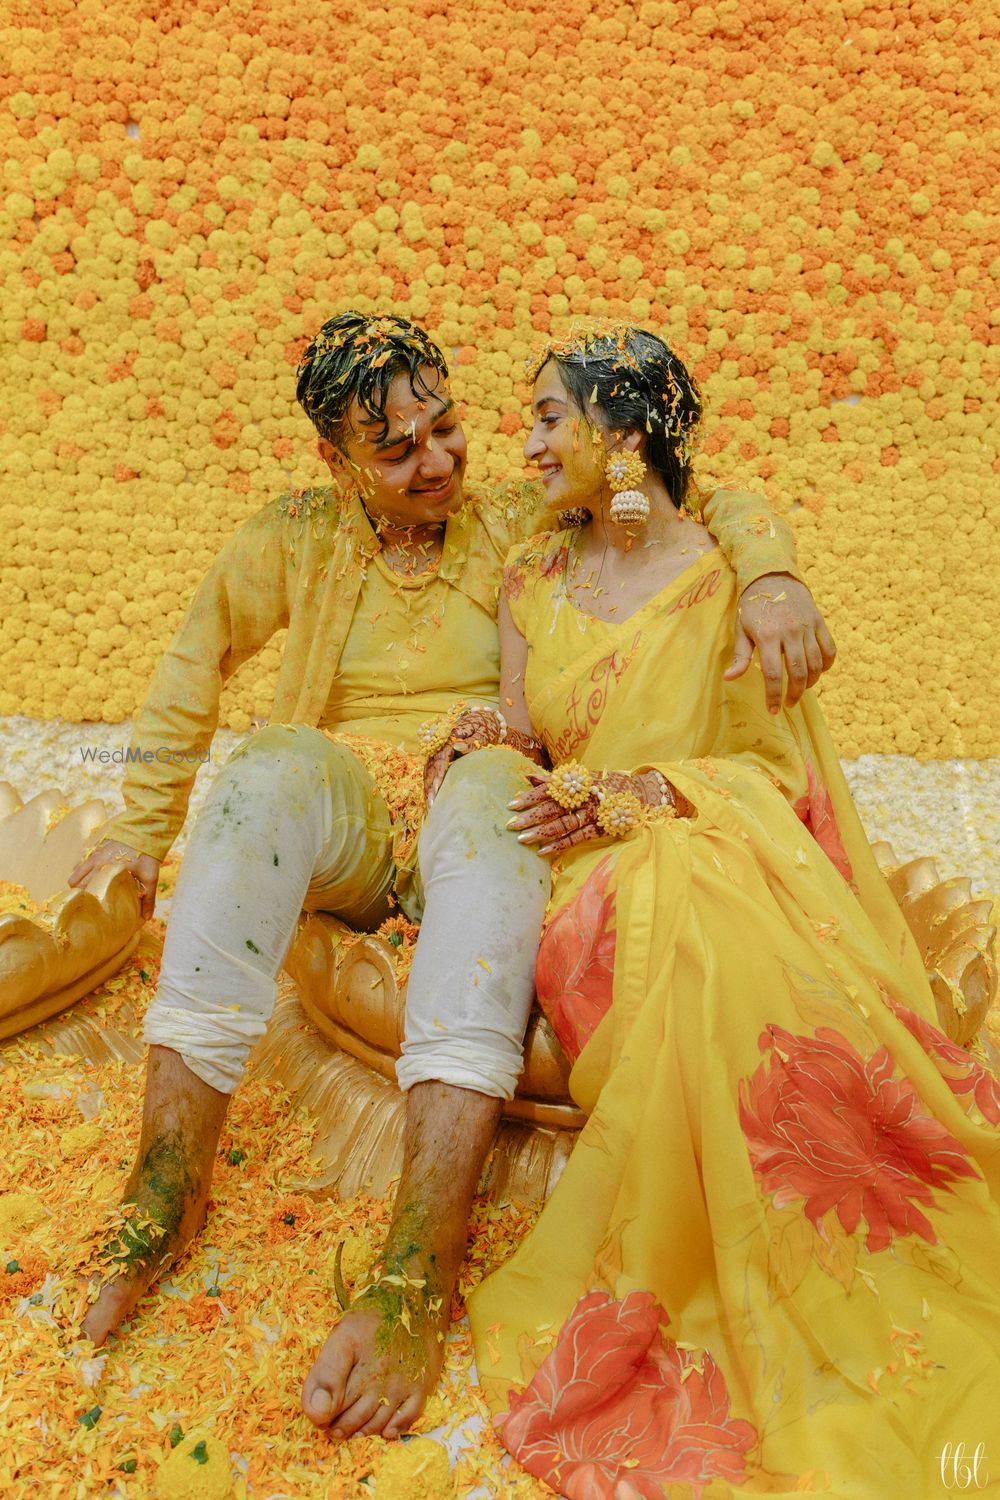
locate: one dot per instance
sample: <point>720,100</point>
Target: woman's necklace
<point>573,566</point>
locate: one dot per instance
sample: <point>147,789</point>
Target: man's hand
<point>145,870</point>
<point>778,616</point>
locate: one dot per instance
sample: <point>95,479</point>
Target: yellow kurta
<point>389,680</point>
<point>301,562</point>
<point>770,1264</point>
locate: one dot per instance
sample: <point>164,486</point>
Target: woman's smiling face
<point>565,445</point>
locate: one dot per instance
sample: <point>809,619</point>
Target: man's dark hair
<point>635,382</point>
<point>357,355</point>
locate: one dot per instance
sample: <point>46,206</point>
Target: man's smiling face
<point>411,476</point>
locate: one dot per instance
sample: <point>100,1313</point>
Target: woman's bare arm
<point>513,662</point>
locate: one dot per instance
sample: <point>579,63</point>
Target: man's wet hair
<point>356,356</point>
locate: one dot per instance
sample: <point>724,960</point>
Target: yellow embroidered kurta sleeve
<point>755,539</point>
<point>236,609</point>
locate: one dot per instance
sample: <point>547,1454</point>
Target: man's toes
<point>109,1311</point>
<point>405,1416</point>
<point>317,1403</point>
<point>353,1418</point>
<point>384,1413</point>
<point>323,1391</point>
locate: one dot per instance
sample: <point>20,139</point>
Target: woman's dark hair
<point>357,355</point>
<point>635,383</point>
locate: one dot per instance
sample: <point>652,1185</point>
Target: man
<point>387,584</point>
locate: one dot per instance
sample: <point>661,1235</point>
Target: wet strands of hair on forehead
<point>356,357</point>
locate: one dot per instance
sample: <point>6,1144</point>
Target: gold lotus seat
<point>65,943</point>
<point>334,1040</point>
<point>954,933</point>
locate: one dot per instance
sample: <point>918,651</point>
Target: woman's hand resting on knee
<point>608,805</point>
<point>144,869</point>
<point>475,729</point>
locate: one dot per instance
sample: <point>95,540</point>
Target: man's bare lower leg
<point>169,1182</point>
<point>374,1373</point>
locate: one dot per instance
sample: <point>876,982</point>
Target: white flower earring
<point>625,472</point>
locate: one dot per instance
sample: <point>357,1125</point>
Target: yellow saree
<point>770,1264</point>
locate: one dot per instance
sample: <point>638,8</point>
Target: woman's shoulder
<point>541,556</point>
<point>540,549</point>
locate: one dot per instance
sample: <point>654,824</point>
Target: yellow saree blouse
<point>770,1264</point>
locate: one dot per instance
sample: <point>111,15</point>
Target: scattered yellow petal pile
<point>798,198</point>
<point>201,1400</point>
<point>17,901</point>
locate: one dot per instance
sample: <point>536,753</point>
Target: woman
<point>770,1265</point>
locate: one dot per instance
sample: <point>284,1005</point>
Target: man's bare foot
<point>380,1364</point>
<point>166,1206</point>
<point>383,1359</point>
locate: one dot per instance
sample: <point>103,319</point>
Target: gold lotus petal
<point>964,985</point>
<point>955,937</point>
<point>49,960</point>
<point>45,968</point>
<point>38,856</point>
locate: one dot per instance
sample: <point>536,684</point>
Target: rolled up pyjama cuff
<point>472,982</point>
<point>291,821</point>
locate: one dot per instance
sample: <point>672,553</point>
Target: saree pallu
<point>771,1264</point>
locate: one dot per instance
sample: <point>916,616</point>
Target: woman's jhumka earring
<point>624,472</point>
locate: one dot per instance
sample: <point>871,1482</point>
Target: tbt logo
<point>959,1472</point>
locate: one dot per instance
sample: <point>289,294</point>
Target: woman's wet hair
<point>356,356</point>
<point>631,381</point>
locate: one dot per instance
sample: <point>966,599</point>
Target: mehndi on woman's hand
<point>460,731</point>
<point>463,730</point>
<point>572,805</point>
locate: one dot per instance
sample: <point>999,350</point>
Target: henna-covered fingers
<point>526,800</point>
<point>477,728</point>
<point>535,818</point>
<point>435,771</point>
<point>578,836</point>
<point>559,823</point>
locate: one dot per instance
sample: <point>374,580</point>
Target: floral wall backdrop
<point>796,195</point>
